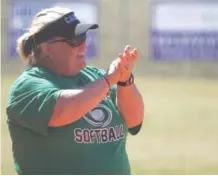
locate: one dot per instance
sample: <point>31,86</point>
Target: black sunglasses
<point>75,42</point>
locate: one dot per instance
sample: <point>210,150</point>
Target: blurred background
<point>177,74</point>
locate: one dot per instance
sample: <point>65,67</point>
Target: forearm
<point>130,104</point>
<point>73,104</point>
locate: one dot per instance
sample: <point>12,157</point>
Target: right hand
<point>115,71</point>
<point>129,57</point>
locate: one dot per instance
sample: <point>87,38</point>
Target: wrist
<point>125,77</point>
<point>111,81</point>
<point>129,82</point>
<point>107,81</point>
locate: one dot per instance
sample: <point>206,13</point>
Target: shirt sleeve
<point>135,130</point>
<point>31,104</point>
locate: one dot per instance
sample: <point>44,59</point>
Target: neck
<point>57,68</point>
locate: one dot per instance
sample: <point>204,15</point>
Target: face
<point>62,58</point>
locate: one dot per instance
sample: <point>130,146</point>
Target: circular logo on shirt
<point>100,116</point>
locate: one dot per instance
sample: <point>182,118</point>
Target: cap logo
<point>70,18</point>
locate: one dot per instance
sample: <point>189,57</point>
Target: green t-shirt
<point>95,144</point>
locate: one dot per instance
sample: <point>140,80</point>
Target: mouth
<point>81,56</point>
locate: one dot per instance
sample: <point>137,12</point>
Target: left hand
<point>129,57</point>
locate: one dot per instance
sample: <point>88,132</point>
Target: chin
<point>80,66</point>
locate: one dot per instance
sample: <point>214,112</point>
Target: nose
<point>83,46</point>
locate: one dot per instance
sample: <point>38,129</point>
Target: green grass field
<point>179,134</point>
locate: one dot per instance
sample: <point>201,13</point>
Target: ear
<point>45,48</point>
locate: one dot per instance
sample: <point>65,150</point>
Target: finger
<point>120,56</point>
<point>124,59</point>
<point>128,65</point>
<point>134,54</point>
<point>118,59</point>
<point>122,67</point>
<point>115,63</point>
<point>128,61</point>
<point>127,47</point>
<point>127,52</point>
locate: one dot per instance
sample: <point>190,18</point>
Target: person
<point>67,117</point>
